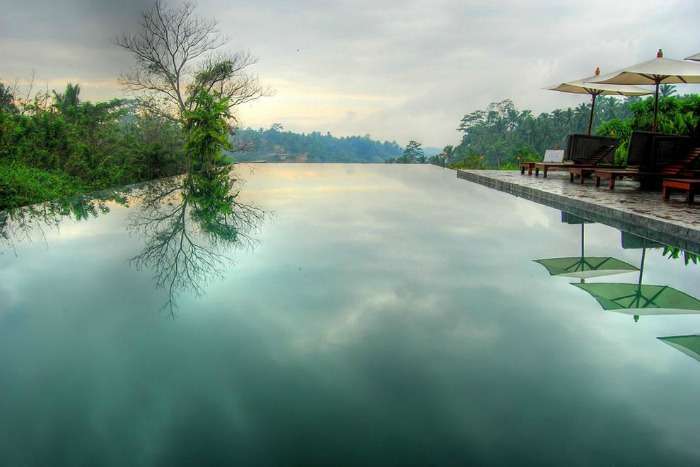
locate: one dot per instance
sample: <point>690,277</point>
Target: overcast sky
<point>397,70</point>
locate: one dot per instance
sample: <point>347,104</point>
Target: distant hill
<point>276,145</point>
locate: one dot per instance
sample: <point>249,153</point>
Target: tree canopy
<point>55,145</point>
<point>412,154</point>
<point>501,135</point>
<point>276,144</point>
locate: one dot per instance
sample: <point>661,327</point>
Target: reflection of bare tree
<point>190,224</point>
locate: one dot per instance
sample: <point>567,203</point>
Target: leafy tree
<point>7,99</point>
<point>503,134</point>
<point>678,115</point>
<point>55,145</point>
<point>207,132</point>
<point>667,90</point>
<point>413,153</point>
<point>69,100</point>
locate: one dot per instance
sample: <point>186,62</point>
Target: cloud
<point>396,70</point>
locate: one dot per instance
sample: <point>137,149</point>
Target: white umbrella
<point>656,72</point>
<point>695,58</point>
<point>584,86</point>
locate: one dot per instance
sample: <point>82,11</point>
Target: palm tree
<point>667,90</point>
<point>69,99</point>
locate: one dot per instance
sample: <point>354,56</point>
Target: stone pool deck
<point>626,208</point>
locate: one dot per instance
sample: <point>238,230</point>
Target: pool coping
<point>655,229</point>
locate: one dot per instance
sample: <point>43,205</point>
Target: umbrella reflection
<point>582,266</point>
<point>639,299</point>
<point>689,345</point>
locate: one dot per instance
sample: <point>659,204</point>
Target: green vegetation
<point>55,146</point>
<point>501,136</point>
<point>412,154</point>
<point>21,185</point>
<point>275,144</point>
<point>206,126</point>
<point>674,252</point>
<point>677,116</point>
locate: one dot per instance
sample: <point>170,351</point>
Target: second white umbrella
<point>585,86</point>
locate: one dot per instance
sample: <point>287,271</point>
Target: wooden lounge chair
<point>688,185</point>
<point>681,169</point>
<point>551,157</point>
<point>581,168</point>
<point>527,166</point>
<point>594,162</point>
<point>581,171</point>
<point>612,174</point>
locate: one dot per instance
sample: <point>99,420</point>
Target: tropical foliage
<point>677,116</point>
<point>674,252</point>
<point>501,135</point>
<point>412,154</point>
<point>207,129</point>
<point>56,145</point>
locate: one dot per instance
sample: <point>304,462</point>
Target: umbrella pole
<point>656,106</point>
<point>641,274</point>
<point>590,119</point>
<point>583,257</point>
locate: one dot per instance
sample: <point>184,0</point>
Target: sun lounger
<point>688,185</point>
<point>582,166</point>
<point>681,169</point>
<point>581,171</point>
<point>614,174</point>
<point>552,157</point>
<point>529,166</point>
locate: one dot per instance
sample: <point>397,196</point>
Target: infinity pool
<point>352,315</point>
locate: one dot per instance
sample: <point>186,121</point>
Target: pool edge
<point>654,229</point>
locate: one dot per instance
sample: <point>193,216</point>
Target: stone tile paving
<point>626,208</point>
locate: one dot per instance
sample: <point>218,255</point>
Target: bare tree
<point>178,53</point>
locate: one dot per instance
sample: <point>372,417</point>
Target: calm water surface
<point>359,315</point>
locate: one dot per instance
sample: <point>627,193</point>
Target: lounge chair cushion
<point>553,155</point>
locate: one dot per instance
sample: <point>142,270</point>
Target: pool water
<point>355,315</point>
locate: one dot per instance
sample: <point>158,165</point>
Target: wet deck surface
<point>626,207</point>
